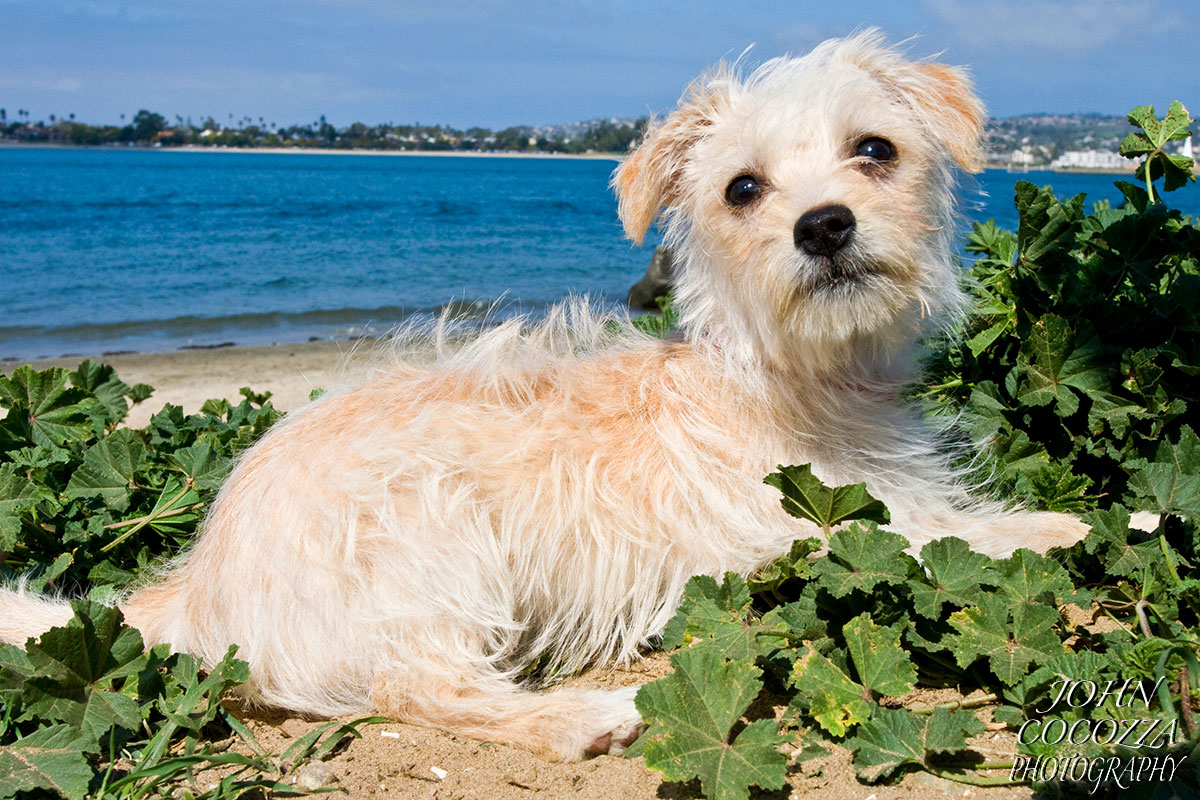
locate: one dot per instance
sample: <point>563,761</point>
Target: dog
<point>409,546</point>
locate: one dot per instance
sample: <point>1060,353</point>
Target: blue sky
<point>497,63</point>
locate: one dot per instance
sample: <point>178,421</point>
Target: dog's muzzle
<point>823,231</point>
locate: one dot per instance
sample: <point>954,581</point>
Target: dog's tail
<point>24,614</point>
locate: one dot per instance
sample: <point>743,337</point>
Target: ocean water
<point>112,250</point>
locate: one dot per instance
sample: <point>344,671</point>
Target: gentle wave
<point>190,331</point>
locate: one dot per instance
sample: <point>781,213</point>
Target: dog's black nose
<point>823,231</point>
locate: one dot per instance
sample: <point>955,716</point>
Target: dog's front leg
<point>560,725</point>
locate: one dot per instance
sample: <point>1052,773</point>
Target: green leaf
<point>882,664</point>
<point>50,759</point>
<point>108,469</point>
<point>794,564</point>
<point>1010,641</point>
<point>1051,366</point>
<point>1031,577</point>
<point>898,737</point>
<point>206,467</point>
<point>691,714</point>
<point>831,697</point>
<point>192,702</point>
<point>102,382</point>
<point>804,496</point>
<point>17,493</point>
<point>1058,488</point>
<point>1047,227</point>
<point>1163,489</point>
<point>77,666</point>
<point>1173,127</point>
<point>717,617</point>
<point>955,575</point>
<point>1109,527</point>
<point>981,341</point>
<point>42,403</point>
<point>861,558</point>
<point>1171,483</point>
<point>659,325</point>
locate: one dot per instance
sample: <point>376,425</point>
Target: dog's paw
<point>619,722</point>
<point>614,742</point>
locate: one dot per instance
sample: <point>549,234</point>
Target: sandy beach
<point>189,377</point>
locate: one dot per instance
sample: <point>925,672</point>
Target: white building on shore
<point>1091,159</point>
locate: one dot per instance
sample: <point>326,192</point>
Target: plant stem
<point>978,780</point>
<point>1140,609</point>
<point>142,522</point>
<point>1122,625</point>
<point>1166,551</point>
<point>1185,703</point>
<point>973,702</point>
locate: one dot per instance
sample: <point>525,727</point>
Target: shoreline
<point>187,378</point>
<point>351,151</point>
<point>318,151</point>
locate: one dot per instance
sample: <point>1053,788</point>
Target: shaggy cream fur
<point>410,545</point>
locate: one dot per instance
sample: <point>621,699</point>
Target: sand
<point>395,760</point>
<point>189,377</point>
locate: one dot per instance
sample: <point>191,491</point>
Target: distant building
<point>1022,158</point>
<point>1091,159</point>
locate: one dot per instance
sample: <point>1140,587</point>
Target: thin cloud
<point>1080,26</point>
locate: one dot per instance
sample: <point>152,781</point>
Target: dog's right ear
<point>649,177</point>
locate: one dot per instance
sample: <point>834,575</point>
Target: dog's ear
<point>942,96</point>
<point>649,177</point>
<point>945,97</point>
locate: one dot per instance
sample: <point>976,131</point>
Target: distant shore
<point>333,151</point>
<point>319,151</point>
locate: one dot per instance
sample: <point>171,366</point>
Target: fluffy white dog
<point>408,546</point>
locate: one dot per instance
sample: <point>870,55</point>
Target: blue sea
<point>109,250</point>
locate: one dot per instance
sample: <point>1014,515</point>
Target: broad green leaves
<point>42,408</point>
<point>863,557</point>
<point>716,617</point>
<point>1171,483</point>
<point>84,687</point>
<point>956,576</point>
<point>807,498</point>
<point>1177,169</point>
<point>1052,365</point>
<point>1081,355</point>
<point>1010,639</point>
<point>850,635</point>
<point>87,503</point>
<point>51,759</point>
<point>692,713</point>
<point>108,469</point>
<point>835,700</point>
<point>896,738</point>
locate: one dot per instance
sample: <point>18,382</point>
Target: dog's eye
<point>742,191</point>
<point>876,149</point>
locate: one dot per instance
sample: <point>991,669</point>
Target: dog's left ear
<point>945,97</point>
<point>649,177</point>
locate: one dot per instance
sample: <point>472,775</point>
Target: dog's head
<point>811,201</point>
